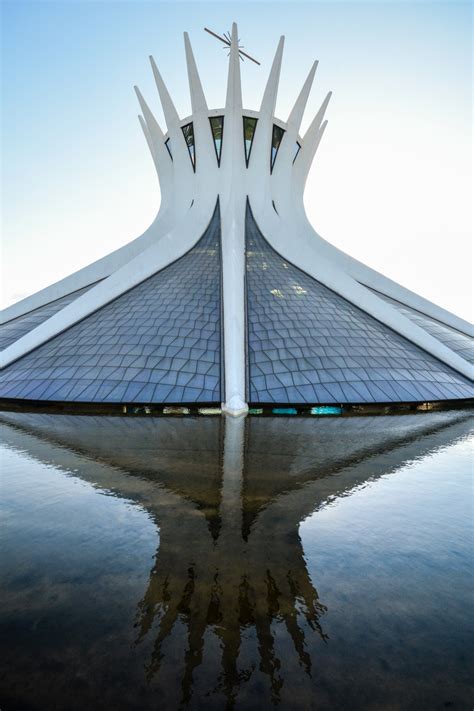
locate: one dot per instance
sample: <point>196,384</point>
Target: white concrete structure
<point>254,167</point>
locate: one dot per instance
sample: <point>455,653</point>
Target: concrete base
<point>235,407</point>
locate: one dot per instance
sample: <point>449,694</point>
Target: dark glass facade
<point>250,124</point>
<point>158,343</point>
<point>306,344</point>
<point>217,129</point>
<point>188,133</point>
<point>16,328</point>
<point>457,341</point>
<point>161,342</point>
<point>277,135</point>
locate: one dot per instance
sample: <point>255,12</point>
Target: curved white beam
<point>90,274</point>
<point>205,156</point>
<point>232,198</point>
<point>303,251</point>
<point>158,256</point>
<point>282,175</point>
<point>161,157</point>
<point>260,155</point>
<point>182,165</point>
<point>152,124</point>
<point>309,146</point>
<point>169,109</point>
<point>296,115</point>
<point>198,99</point>
<point>234,85</point>
<point>188,201</point>
<point>375,280</point>
<point>233,156</point>
<point>261,148</point>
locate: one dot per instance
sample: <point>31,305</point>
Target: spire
<point>147,135</point>
<point>234,87</point>
<point>169,109</point>
<point>179,148</point>
<point>271,90</point>
<point>198,99</point>
<point>311,142</point>
<point>296,115</point>
<point>261,147</point>
<point>284,165</point>
<point>152,124</point>
<point>320,135</point>
<point>311,133</point>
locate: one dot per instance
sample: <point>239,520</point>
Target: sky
<point>392,179</point>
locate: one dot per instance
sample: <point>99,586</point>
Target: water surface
<point>211,563</point>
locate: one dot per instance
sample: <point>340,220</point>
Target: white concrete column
<point>233,202</point>
<point>231,496</point>
<point>233,278</point>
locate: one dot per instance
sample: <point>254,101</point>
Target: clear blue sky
<point>392,180</point>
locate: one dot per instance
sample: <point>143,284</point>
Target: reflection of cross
<point>227,40</point>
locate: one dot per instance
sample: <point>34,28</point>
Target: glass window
<point>297,150</point>
<point>188,132</point>
<point>277,135</point>
<point>250,125</point>
<point>217,128</point>
<point>168,146</point>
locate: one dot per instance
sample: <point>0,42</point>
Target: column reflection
<point>228,496</point>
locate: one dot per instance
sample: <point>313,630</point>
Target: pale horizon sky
<point>392,180</point>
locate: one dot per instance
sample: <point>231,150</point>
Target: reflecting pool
<point>217,563</point>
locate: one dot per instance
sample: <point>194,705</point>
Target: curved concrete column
<point>189,192</point>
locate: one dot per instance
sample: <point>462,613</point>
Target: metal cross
<point>227,40</point>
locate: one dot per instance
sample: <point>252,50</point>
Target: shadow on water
<point>228,497</point>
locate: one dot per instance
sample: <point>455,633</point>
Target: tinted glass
<point>217,128</point>
<point>250,125</point>
<point>188,132</point>
<point>306,344</point>
<point>157,343</point>
<point>277,135</point>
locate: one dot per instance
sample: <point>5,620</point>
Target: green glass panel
<point>217,128</point>
<point>250,125</point>
<point>277,135</point>
<point>188,133</point>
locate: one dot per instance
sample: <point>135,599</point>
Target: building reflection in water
<point>219,574</point>
<point>228,496</point>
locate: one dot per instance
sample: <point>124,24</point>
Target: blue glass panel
<point>217,128</point>
<point>277,135</point>
<point>16,328</point>
<point>250,124</point>
<point>459,342</point>
<point>188,133</point>
<point>165,344</point>
<point>332,351</point>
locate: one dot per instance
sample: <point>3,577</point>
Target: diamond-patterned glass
<point>157,343</point>
<point>306,344</point>
<point>16,328</point>
<point>459,342</point>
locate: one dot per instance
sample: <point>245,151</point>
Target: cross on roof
<point>227,40</point>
